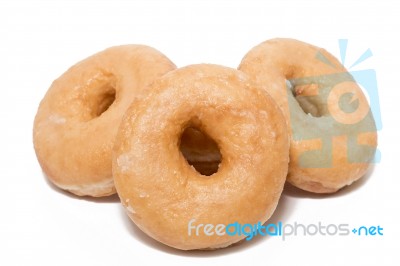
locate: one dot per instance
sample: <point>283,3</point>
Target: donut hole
<point>309,106</point>
<point>308,99</point>
<point>200,151</point>
<point>99,100</point>
<point>105,101</point>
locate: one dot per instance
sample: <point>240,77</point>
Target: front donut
<point>163,195</point>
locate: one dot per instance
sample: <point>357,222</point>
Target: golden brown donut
<point>162,193</point>
<point>330,147</point>
<point>78,118</point>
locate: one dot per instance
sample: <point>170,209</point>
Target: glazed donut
<point>78,118</point>
<point>162,193</point>
<point>333,133</point>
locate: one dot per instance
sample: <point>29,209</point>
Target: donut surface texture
<point>333,132</point>
<point>162,193</point>
<point>78,118</point>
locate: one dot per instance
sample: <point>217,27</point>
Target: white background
<point>39,40</point>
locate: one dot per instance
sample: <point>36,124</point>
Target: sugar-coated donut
<point>162,193</point>
<point>78,118</point>
<point>333,133</point>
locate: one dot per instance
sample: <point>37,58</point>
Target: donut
<point>78,118</point>
<point>332,129</point>
<point>162,194</point>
